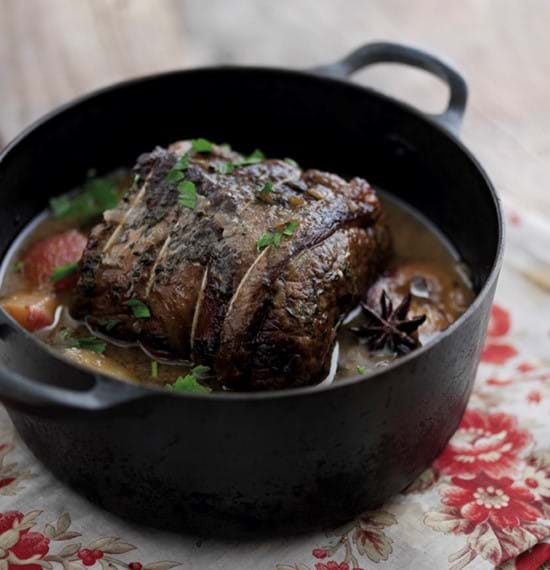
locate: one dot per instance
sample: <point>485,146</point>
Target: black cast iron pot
<point>233,464</point>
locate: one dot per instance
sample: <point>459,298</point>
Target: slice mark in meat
<point>153,274</point>
<point>198,306</point>
<point>285,180</point>
<point>208,177</point>
<point>132,207</point>
<point>243,281</point>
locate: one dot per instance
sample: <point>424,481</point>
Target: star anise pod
<point>390,327</point>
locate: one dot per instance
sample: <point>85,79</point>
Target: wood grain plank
<point>53,50</point>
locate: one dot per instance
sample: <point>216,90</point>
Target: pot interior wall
<point>319,122</point>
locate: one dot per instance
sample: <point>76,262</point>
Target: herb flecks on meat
<point>274,237</point>
<point>202,145</point>
<point>216,293</point>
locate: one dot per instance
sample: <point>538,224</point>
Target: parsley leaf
<point>256,156</point>
<point>292,162</point>
<point>361,370</point>
<point>264,194</point>
<point>60,205</point>
<point>200,370</point>
<point>108,324</point>
<point>202,145</point>
<point>265,240</point>
<point>154,369</point>
<point>65,333</point>
<point>190,383</point>
<point>275,237</point>
<point>62,271</point>
<point>97,195</point>
<point>86,343</point>
<point>139,309</point>
<point>19,266</point>
<point>91,343</point>
<point>102,190</point>
<point>225,167</point>
<point>175,174</point>
<point>228,167</point>
<point>290,227</point>
<point>267,189</point>
<point>188,194</point>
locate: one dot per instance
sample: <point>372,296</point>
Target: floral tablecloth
<point>484,502</point>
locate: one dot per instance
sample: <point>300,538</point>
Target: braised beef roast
<point>251,280</point>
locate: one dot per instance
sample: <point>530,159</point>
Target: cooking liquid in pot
<point>425,265</point>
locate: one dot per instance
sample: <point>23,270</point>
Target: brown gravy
<point>427,266</point>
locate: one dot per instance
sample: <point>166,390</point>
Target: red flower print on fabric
<point>534,397</point>
<point>364,537</point>
<point>533,559</point>
<point>25,549</point>
<point>498,501</point>
<point>485,442</point>
<point>19,543</point>
<point>332,566</point>
<point>499,323</point>
<point>496,351</point>
<point>501,518</point>
<point>536,477</point>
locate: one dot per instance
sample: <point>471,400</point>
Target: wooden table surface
<point>53,50</point>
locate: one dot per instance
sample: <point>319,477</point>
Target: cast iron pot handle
<point>105,393</point>
<point>387,52</point>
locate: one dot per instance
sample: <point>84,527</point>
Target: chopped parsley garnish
<point>275,237</point>
<point>268,187</point>
<point>256,156</point>
<point>91,343</point>
<point>292,162</point>
<point>290,227</point>
<point>202,145</point>
<point>60,205</point>
<point>139,309</point>
<point>154,369</point>
<point>361,370</point>
<point>265,191</point>
<point>98,195</point>
<point>62,271</point>
<point>176,173</point>
<point>19,266</point>
<point>190,382</point>
<point>108,324</point>
<point>265,240</point>
<point>65,333</point>
<point>188,194</point>
<point>225,167</point>
<point>228,167</point>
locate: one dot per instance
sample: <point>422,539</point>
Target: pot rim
<point>146,390</point>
